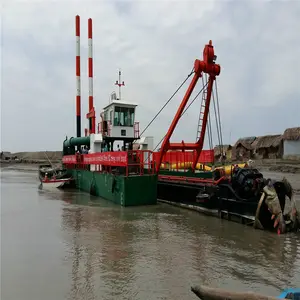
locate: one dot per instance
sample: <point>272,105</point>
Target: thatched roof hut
<point>218,149</point>
<point>245,142</point>
<point>267,141</point>
<point>242,148</point>
<point>292,134</point>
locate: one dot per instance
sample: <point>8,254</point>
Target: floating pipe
<point>78,88</point>
<point>78,141</point>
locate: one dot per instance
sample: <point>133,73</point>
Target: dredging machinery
<point>181,173</point>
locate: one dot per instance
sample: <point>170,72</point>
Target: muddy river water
<point>68,245</point>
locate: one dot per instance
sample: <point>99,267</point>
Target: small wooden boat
<point>207,293</point>
<point>52,178</point>
<point>54,183</point>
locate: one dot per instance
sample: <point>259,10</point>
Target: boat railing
<point>128,163</point>
<point>104,128</point>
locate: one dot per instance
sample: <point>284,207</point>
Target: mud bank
<point>30,167</point>
<point>37,157</point>
<point>278,165</point>
<point>293,169</point>
<point>19,167</point>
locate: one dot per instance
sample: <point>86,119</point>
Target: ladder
<point>202,109</point>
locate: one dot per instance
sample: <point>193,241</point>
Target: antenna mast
<point>119,84</point>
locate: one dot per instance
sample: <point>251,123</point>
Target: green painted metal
<point>126,191</point>
<point>77,141</point>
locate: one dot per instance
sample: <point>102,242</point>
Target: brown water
<point>61,245</point>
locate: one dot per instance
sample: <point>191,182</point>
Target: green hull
<point>126,191</point>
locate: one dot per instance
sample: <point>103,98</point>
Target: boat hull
<point>191,196</point>
<point>55,184</point>
<point>123,190</point>
<point>223,201</point>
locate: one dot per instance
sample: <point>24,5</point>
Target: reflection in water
<point>91,249</point>
<point>163,244</point>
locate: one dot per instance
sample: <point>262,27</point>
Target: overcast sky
<point>155,44</point>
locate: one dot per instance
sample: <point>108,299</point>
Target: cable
<point>218,122</point>
<point>194,99</point>
<point>167,101</point>
<point>179,117</point>
<point>184,111</point>
<point>218,107</point>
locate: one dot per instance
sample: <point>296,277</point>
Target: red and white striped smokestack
<point>78,85</point>
<point>90,71</point>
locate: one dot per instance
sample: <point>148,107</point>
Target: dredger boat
<point>181,173</point>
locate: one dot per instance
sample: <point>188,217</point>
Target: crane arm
<point>207,65</point>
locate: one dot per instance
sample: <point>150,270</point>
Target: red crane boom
<point>208,66</point>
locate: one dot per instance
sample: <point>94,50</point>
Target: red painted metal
<point>69,159</point>
<point>91,115</point>
<point>78,82</point>
<point>101,128</point>
<point>139,160</point>
<point>208,66</point>
<point>190,179</point>
<point>48,180</point>
<point>118,158</point>
<point>207,156</point>
<point>185,179</point>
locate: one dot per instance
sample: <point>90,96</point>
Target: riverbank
<point>20,167</point>
<point>55,157</point>
<point>35,157</point>
<point>278,165</point>
<point>31,160</point>
<point>30,167</point>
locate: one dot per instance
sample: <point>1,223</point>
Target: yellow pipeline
<point>229,168</point>
<point>187,165</point>
<point>199,166</point>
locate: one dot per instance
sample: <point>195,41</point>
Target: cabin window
<point>124,116</point>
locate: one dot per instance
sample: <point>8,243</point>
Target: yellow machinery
<point>201,167</point>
